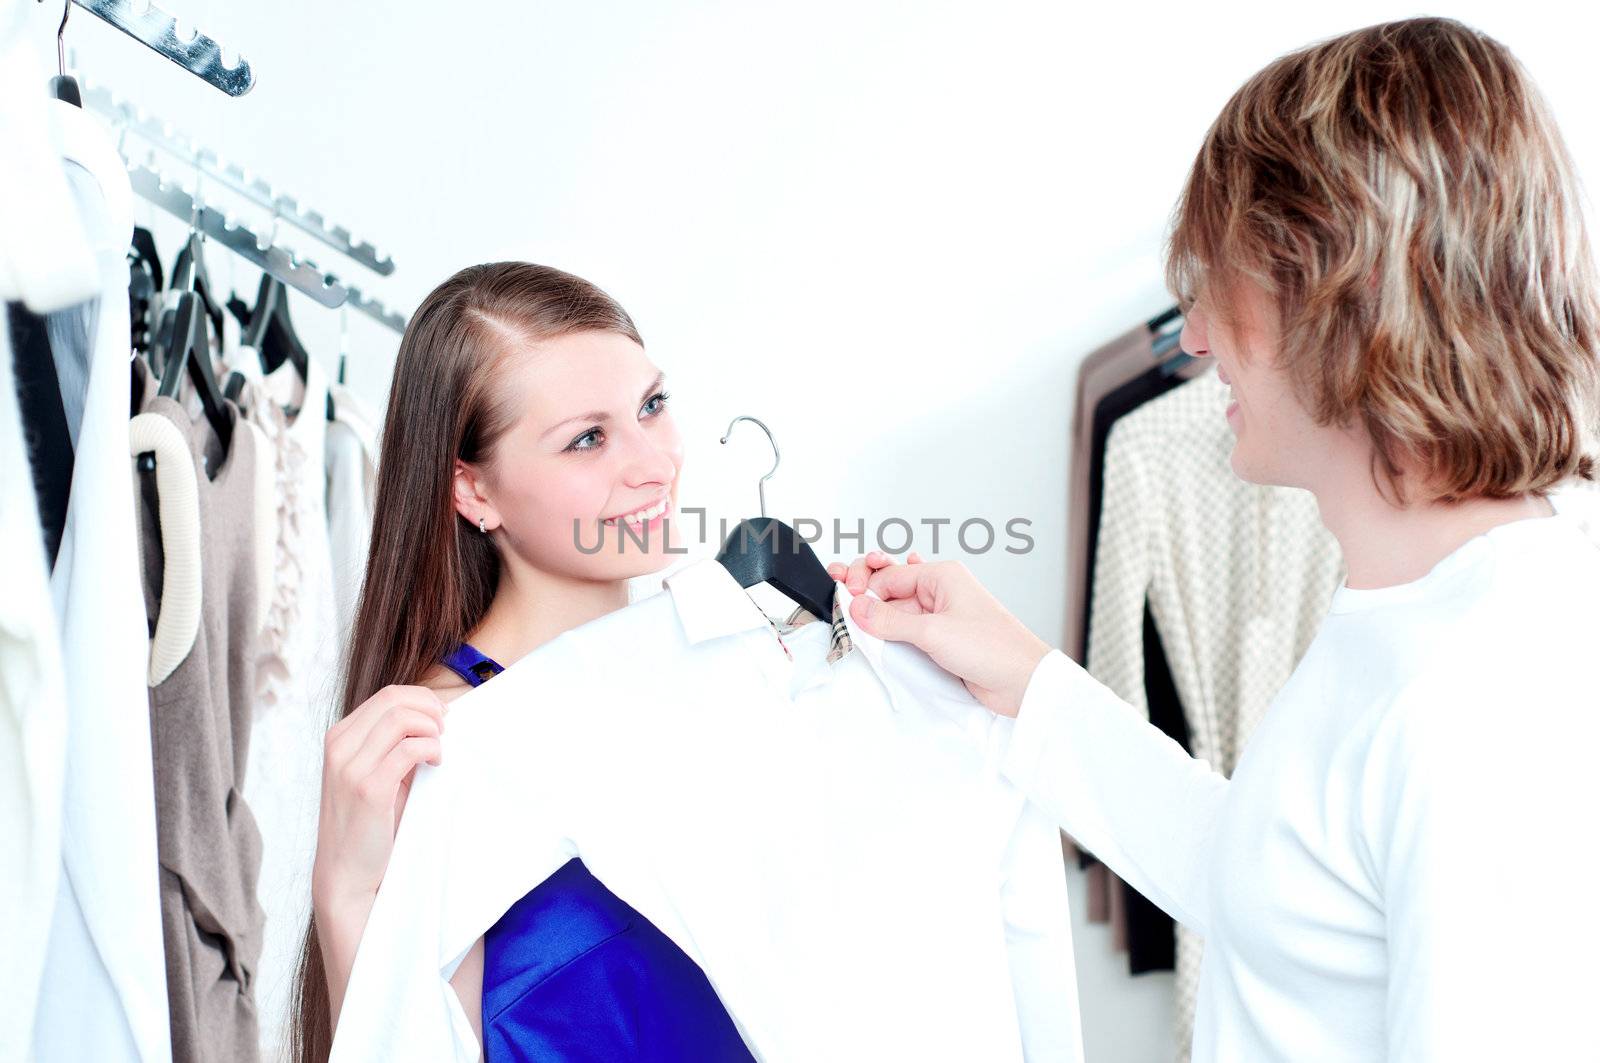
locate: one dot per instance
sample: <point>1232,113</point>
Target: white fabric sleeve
<point>1124,790</point>
<point>1033,899</point>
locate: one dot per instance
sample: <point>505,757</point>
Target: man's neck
<point>1385,545</point>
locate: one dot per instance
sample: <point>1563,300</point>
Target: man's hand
<point>942,609</point>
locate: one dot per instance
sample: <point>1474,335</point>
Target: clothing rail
<point>154,28</point>
<point>298,273</point>
<point>131,117</point>
<point>377,311</point>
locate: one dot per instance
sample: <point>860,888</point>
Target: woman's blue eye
<point>659,403</point>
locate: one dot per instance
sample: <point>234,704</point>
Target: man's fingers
<point>889,621</point>
<point>902,581</point>
<point>906,605</point>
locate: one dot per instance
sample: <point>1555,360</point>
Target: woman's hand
<point>368,761</point>
<point>942,609</point>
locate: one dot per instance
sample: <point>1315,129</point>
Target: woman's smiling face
<point>584,483</point>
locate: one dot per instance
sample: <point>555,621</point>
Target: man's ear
<point>467,488</point>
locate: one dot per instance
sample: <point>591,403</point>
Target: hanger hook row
<point>761,485</point>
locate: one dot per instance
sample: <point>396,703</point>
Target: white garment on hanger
<point>105,955</point>
<point>33,732</point>
<point>297,676</point>
<point>46,260</point>
<point>830,842</point>
<point>352,467</point>
<point>1402,865</point>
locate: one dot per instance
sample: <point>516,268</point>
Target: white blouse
<point>830,840</point>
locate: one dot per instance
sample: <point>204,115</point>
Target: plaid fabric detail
<point>839,642</point>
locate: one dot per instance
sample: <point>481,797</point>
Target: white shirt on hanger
<point>351,460</point>
<point>1403,864</point>
<point>831,843</point>
<point>105,955</point>
<point>297,674</point>
<point>33,732</point>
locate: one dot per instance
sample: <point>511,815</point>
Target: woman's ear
<point>467,487</point>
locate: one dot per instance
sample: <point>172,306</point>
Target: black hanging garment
<point>44,421</point>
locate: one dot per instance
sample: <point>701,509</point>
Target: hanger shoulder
<point>766,550</point>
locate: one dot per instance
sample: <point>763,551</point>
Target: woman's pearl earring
<point>481,526</point>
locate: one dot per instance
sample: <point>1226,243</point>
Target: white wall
<point>888,229</point>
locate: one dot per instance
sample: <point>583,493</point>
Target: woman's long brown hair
<point>430,575</point>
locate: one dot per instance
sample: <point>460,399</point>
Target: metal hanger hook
<point>61,32</point>
<point>761,486</point>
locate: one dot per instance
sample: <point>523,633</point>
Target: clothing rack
<point>298,273</point>
<point>157,30</point>
<point>130,116</point>
<point>377,311</point>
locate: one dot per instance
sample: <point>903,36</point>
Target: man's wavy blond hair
<point>1403,195</point>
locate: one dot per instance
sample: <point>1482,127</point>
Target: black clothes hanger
<point>187,352</point>
<point>144,282</point>
<point>190,263</point>
<point>64,87</point>
<point>269,330</point>
<point>766,550</point>
<point>144,250</point>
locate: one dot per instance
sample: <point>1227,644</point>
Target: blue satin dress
<point>572,974</point>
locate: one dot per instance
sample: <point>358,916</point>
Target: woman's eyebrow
<point>601,416</point>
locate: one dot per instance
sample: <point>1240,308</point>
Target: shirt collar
<point>711,604</point>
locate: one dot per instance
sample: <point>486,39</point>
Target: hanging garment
<point>44,422</point>
<point>571,971</point>
<point>197,544</point>
<point>297,678</point>
<point>827,840</point>
<point>46,258</point>
<point>53,352</point>
<point>105,952</point>
<point>1102,383</point>
<point>33,734</point>
<point>1340,878</point>
<point>1152,934</point>
<point>352,468</point>
<point>1138,927</point>
<point>1102,395</point>
<point>1236,577</point>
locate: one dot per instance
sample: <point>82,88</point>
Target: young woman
<point>1380,244</point>
<point>524,420</point>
